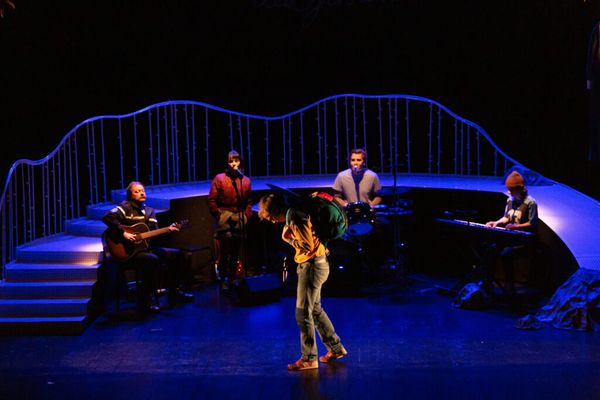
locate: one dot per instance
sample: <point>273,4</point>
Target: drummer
<point>357,183</point>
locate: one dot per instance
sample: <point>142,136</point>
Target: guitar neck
<point>155,232</point>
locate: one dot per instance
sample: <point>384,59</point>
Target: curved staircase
<point>49,288</point>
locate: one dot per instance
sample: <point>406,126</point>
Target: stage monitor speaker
<point>259,289</point>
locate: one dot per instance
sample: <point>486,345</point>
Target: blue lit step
<point>62,248</point>
<point>43,307</point>
<point>43,272</point>
<point>42,325</point>
<point>158,197</point>
<point>84,227</point>
<point>97,211</point>
<point>45,290</point>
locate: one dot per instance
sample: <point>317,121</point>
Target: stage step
<point>24,272</point>
<point>62,248</point>
<point>85,227</point>
<point>97,211</point>
<point>42,325</point>
<point>43,307</point>
<point>159,197</point>
<point>46,290</point>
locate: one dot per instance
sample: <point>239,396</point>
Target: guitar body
<point>121,249</point>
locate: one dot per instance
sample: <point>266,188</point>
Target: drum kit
<point>362,217</point>
<point>369,234</point>
<point>365,252</point>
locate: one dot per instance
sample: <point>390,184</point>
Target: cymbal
<point>284,191</point>
<point>397,209</point>
<point>380,206</point>
<point>394,212</point>
<point>389,190</point>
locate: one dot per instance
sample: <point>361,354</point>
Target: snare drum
<point>360,219</point>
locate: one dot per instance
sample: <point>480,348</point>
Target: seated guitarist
<point>124,221</point>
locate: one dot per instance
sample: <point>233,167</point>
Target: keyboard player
<point>521,213</point>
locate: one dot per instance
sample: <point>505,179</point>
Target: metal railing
<point>186,141</point>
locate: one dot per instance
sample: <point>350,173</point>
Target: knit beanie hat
<point>515,179</point>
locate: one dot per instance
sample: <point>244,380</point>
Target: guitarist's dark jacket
<point>127,214</point>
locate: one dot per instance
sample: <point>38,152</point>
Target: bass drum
<point>360,219</point>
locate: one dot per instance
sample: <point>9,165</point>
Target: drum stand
<point>397,264</point>
<point>357,260</point>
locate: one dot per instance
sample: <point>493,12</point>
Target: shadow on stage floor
<point>405,340</point>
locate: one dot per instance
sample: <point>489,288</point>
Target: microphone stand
<point>241,218</point>
<point>396,241</point>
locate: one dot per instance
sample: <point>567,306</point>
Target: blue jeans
<point>309,313</point>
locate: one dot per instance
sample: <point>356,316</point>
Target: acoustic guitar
<point>121,249</point>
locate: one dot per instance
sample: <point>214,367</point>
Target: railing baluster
<point>248,157</point>
<point>477,137</point>
<point>284,146</point>
<point>455,147</point>
<point>290,146</point>
<point>166,132</point>
<point>23,206</point>
<point>468,151</point>
<point>302,161</point>
<point>188,156</point>
<point>391,136</point>
<point>380,122</point>
<point>136,163</point>
<point>430,139</point>
<point>408,144</point>
<point>354,132</point>
<point>103,168</point>
<point>347,126</point>
<point>241,138</point>
<point>150,149</point>
<point>207,148</point>
<point>337,135</point>
<point>94,165</point>
<point>158,149</point>
<point>364,116</point>
<point>267,150</point>
<point>439,141</point>
<point>175,135</point>
<point>194,145</point>
<point>325,141</point>
<point>231,145</point>
<point>319,152</point>
<point>89,163</point>
<point>121,155</point>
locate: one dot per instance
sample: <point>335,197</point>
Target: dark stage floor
<point>404,341</point>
